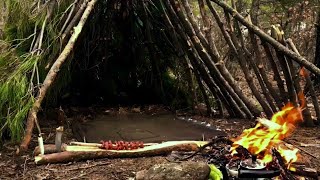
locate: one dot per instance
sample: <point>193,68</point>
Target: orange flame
<point>267,134</point>
<point>303,72</point>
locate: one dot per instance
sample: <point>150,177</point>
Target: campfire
<point>269,134</point>
<point>260,152</point>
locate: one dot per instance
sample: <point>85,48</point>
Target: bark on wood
<point>317,53</point>
<point>49,149</point>
<point>245,104</point>
<point>301,170</point>
<point>231,106</point>
<point>196,73</point>
<point>177,31</point>
<point>276,74</point>
<point>302,61</point>
<point>51,76</point>
<point>241,59</point>
<point>293,84</point>
<point>204,94</point>
<point>230,103</point>
<point>245,68</point>
<point>286,65</point>
<point>254,12</point>
<point>207,27</point>
<point>268,89</point>
<point>309,84</point>
<point>77,153</point>
<point>288,78</point>
<point>222,75</point>
<point>260,72</point>
<point>285,173</point>
<point>73,22</point>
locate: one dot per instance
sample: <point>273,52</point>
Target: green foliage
<point>21,70</point>
<point>215,173</point>
<point>15,96</point>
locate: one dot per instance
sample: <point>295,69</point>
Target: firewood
<point>269,124</point>
<point>285,173</point>
<point>77,153</point>
<point>302,170</point>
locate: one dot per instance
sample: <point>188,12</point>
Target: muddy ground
<point>13,166</point>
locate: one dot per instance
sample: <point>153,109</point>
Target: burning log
<point>243,152</point>
<point>77,153</point>
<point>285,173</point>
<point>269,124</point>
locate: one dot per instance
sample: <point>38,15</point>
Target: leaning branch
<point>52,74</point>
<point>265,37</point>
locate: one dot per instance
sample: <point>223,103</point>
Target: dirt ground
<point>23,166</point>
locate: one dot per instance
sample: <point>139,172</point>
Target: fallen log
<point>77,153</point>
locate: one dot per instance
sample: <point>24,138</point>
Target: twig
<point>214,141</point>
<point>291,145</point>
<point>24,166</point>
<point>51,76</point>
<point>87,167</point>
<point>73,5</point>
<point>306,152</point>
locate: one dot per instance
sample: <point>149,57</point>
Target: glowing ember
<point>267,134</point>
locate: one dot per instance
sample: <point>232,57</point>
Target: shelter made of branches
<point>50,47</point>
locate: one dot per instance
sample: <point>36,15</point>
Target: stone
<point>173,171</point>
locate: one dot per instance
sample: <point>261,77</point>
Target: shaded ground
<point>142,127</point>
<point>23,167</point>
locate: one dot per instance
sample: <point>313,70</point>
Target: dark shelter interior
<point>124,59</point>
